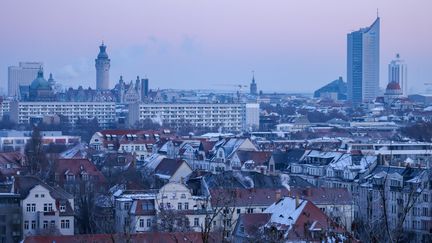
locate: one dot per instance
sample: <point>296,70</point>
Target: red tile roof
<point>312,216</point>
<point>259,157</point>
<point>76,166</point>
<point>11,163</point>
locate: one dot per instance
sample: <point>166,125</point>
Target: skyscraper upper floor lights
<point>363,63</point>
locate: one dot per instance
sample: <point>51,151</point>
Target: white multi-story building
<point>232,117</point>
<point>397,72</point>
<point>11,140</point>
<point>397,154</point>
<point>141,211</point>
<point>4,107</point>
<point>23,74</point>
<point>44,209</point>
<point>104,112</point>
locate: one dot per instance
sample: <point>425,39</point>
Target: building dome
<point>40,83</point>
<point>393,86</point>
<point>102,52</point>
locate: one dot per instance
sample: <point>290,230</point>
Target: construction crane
<point>239,86</point>
<point>428,87</point>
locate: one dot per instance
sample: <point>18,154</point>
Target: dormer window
<point>70,177</point>
<point>62,207</point>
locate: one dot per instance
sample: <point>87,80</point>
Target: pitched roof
<point>297,217</point>
<point>23,185</point>
<point>259,157</point>
<point>253,221</point>
<point>168,167</point>
<point>77,166</point>
<point>266,196</point>
<point>10,163</point>
<point>249,179</point>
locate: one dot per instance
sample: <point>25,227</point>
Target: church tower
<point>253,86</point>
<point>102,69</point>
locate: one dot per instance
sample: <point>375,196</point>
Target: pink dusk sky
<point>293,46</point>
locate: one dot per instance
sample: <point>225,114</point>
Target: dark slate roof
<point>407,172</point>
<point>282,159</point>
<point>298,182</point>
<point>23,185</point>
<point>168,166</point>
<point>237,179</point>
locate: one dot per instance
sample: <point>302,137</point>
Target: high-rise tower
<point>22,75</point>
<point>102,69</point>
<point>398,73</point>
<point>363,63</point>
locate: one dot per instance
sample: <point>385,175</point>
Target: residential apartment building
<point>403,196</point>
<point>397,153</point>
<point>11,140</point>
<point>333,169</point>
<point>45,209</point>
<point>10,218</point>
<point>4,107</point>
<point>231,117</point>
<point>24,112</point>
<point>173,205</point>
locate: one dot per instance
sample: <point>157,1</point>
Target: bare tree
<point>380,228</point>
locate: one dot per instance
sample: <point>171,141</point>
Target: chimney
<point>308,191</point>
<point>297,201</point>
<point>278,194</point>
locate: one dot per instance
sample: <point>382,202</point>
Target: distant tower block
<point>102,69</point>
<point>397,72</point>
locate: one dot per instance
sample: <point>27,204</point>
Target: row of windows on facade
<point>48,207</point>
<point>64,224</point>
<point>141,222</point>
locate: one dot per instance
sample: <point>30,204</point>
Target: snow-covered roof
<point>286,211</point>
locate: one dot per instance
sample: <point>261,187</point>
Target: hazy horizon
<point>292,46</point>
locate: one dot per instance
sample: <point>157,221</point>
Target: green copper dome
<point>40,82</point>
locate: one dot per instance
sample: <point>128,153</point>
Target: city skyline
<point>174,51</point>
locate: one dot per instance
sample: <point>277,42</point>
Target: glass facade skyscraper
<point>363,63</point>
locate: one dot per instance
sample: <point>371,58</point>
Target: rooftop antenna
<point>377,13</point>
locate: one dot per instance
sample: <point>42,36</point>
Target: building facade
<point>398,198</point>
<point>102,64</point>
<point>232,117</point>
<point>10,218</point>
<point>22,75</point>
<point>397,72</point>
<point>104,112</point>
<point>363,63</point>
<point>11,140</point>
<point>45,209</point>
